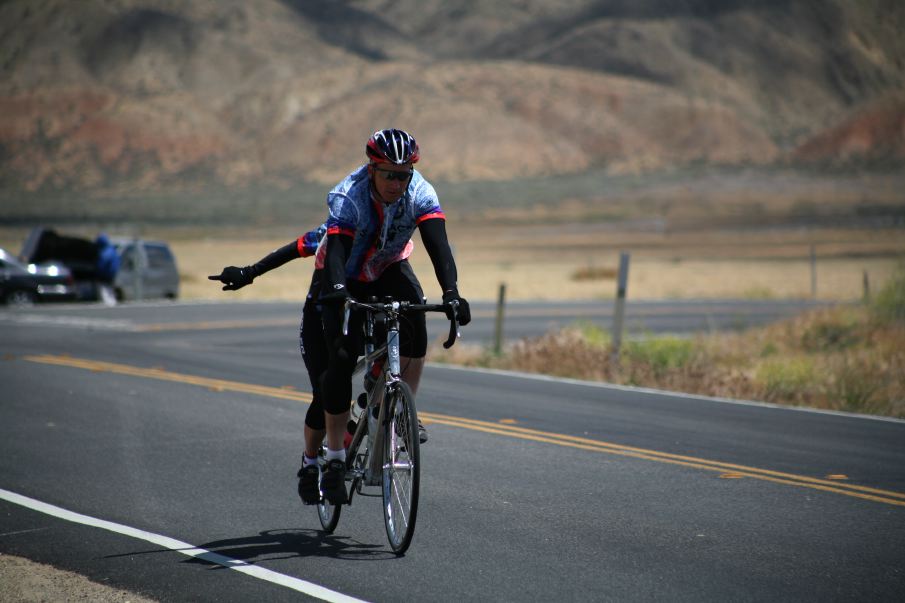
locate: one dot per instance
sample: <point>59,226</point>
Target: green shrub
<point>769,349</point>
<point>661,354</point>
<point>889,303</point>
<point>593,335</point>
<point>855,383</point>
<point>788,378</point>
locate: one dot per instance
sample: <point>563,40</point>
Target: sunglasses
<point>394,175</point>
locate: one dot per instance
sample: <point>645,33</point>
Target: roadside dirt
<point>24,581</point>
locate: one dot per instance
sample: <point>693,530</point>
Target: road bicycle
<point>385,450</point>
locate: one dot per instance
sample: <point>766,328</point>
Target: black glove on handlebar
<point>463,312</point>
<point>234,277</point>
<point>338,295</point>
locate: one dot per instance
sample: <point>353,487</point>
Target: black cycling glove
<point>337,295</point>
<point>464,312</point>
<point>234,277</point>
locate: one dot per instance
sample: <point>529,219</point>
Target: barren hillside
<point>154,95</point>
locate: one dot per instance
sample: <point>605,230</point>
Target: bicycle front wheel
<point>401,468</point>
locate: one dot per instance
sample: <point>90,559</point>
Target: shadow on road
<point>271,545</point>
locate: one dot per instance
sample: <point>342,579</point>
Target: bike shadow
<point>278,544</point>
<point>287,543</point>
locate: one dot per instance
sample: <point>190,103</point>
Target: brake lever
<point>347,310</point>
<point>453,326</point>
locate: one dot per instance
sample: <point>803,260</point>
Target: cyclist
<point>373,213</point>
<point>311,337</point>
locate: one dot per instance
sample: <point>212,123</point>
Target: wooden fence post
<point>498,328</point>
<point>813,271</point>
<point>619,310</point>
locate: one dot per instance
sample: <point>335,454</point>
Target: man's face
<point>390,181</point>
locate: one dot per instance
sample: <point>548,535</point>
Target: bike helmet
<point>392,146</point>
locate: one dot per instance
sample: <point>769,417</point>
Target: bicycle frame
<point>391,457</point>
<point>390,377</point>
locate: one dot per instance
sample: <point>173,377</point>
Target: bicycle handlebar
<point>397,307</point>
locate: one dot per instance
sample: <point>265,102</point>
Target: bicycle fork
<point>392,376</point>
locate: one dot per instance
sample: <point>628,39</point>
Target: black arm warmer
<point>338,249</point>
<point>275,259</point>
<point>433,235</point>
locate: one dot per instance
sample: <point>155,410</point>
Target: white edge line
<point>661,392</point>
<point>178,546</point>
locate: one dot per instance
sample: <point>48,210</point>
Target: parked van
<point>147,269</point>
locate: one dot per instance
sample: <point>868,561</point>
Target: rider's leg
<point>399,281</point>
<point>313,347</point>
<point>337,398</point>
<point>336,430</point>
<point>313,440</point>
<point>411,372</point>
<point>309,474</point>
<point>402,283</point>
<point>337,379</point>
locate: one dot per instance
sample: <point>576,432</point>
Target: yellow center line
<point>723,466</point>
<point>581,443</point>
<point>874,494</point>
<point>164,375</point>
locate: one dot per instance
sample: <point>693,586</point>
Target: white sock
<point>336,454</point>
<point>308,461</point>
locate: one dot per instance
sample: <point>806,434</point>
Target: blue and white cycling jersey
<point>381,233</point>
<point>307,244</point>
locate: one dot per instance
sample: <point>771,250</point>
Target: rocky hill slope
<point>168,95</point>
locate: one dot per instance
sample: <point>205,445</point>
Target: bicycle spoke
<point>400,506</point>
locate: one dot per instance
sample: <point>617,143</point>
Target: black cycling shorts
<point>399,282</point>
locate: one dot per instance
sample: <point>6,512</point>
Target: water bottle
<point>372,374</point>
<point>359,405</point>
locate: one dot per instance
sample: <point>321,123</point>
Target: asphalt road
<point>181,425</point>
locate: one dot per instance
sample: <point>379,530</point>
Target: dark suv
<point>22,285</point>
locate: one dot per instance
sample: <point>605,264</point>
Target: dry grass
<point>651,276</point>
<point>844,358</point>
<point>543,263</point>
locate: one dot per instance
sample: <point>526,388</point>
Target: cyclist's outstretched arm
<point>234,277</point>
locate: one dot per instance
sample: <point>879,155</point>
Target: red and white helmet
<point>392,146</point>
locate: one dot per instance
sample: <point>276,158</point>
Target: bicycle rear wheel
<point>328,513</point>
<point>401,468</point>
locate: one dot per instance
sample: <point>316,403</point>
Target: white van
<point>147,270</point>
